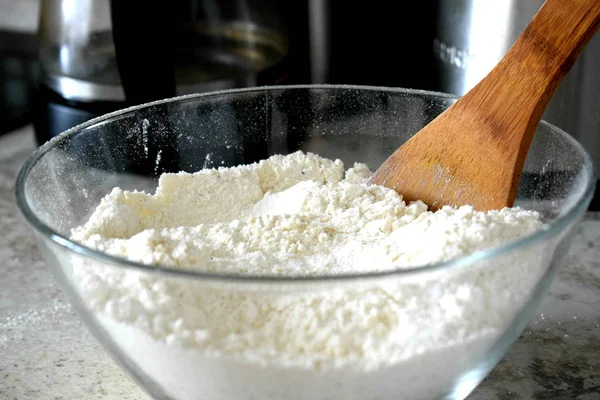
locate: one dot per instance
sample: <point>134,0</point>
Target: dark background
<point>382,43</point>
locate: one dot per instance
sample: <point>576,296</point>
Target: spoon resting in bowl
<point>473,153</point>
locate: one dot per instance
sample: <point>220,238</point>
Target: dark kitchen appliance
<point>98,56</point>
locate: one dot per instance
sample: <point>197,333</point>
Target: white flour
<point>298,215</point>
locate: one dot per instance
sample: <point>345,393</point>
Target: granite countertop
<point>46,352</point>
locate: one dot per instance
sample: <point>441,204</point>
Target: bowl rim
<point>576,209</point>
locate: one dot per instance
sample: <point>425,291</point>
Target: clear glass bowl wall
<point>63,182</point>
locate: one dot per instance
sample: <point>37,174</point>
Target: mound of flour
<point>289,215</point>
<point>294,215</point>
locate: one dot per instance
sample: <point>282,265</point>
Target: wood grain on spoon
<point>473,153</point>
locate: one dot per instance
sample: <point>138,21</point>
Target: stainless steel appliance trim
<point>318,23</point>
<point>80,90</point>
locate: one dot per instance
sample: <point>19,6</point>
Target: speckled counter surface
<point>46,352</point>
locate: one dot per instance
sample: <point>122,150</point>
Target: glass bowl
<point>446,325</point>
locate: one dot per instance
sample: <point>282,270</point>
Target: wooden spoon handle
<point>474,152</point>
<point>508,103</point>
<point>533,68</point>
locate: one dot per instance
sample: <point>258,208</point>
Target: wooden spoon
<point>473,153</point>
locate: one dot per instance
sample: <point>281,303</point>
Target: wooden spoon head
<point>444,165</point>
